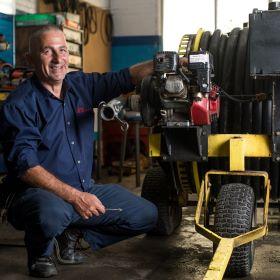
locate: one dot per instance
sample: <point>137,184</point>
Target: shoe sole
<point>58,256</point>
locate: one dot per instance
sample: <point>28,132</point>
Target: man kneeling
<point>46,129</point>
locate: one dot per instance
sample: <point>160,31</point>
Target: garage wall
<point>96,54</point>
<point>26,6</point>
<point>186,17</point>
<point>103,4</point>
<point>137,31</point>
<point>7,29</point>
<point>8,7</point>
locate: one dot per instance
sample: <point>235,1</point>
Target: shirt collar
<point>66,86</point>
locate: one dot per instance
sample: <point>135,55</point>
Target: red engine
<point>205,110</point>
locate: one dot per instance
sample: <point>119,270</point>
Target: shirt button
<point>72,142</point>
<point>64,104</point>
<point>68,123</point>
<point>79,161</point>
<point>83,180</point>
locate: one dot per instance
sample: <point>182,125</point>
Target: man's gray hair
<point>33,39</point>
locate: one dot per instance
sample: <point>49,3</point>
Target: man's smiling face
<point>50,57</point>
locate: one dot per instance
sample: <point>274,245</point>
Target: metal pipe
<point>215,14</point>
<point>137,142</point>
<point>113,108</point>
<point>99,146</point>
<point>122,158</point>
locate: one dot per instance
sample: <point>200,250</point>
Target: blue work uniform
<point>36,128</point>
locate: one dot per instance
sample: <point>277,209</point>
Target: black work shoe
<point>65,247</point>
<point>42,267</point>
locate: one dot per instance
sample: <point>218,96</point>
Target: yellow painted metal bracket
<point>225,247</point>
<point>254,145</point>
<point>237,154</point>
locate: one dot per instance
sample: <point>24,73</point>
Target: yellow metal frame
<point>236,147</point>
<point>255,145</point>
<point>196,177</point>
<point>224,250</point>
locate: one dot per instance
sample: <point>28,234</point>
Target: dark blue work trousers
<point>43,215</point>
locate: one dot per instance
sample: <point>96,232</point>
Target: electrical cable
<point>88,16</point>
<point>92,19</point>
<point>107,25</point>
<point>256,97</point>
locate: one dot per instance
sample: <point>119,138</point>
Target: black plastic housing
<point>166,62</point>
<point>264,43</point>
<point>201,64</point>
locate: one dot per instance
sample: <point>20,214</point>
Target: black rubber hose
<point>266,129</point>
<point>218,163</point>
<point>268,164</point>
<point>246,123</point>
<point>246,117</point>
<point>236,109</point>
<point>214,50</point>
<point>228,75</point>
<point>204,41</point>
<point>267,109</point>
<point>274,176</point>
<point>273,169</point>
<point>227,85</point>
<point>221,54</point>
<point>214,43</point>
<point>257,129</point>
<point>257,108</point>
<point>213,163</point>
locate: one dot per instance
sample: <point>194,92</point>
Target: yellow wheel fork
<point>236,147</point>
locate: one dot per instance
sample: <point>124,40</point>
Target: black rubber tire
<point>234,214</point>
<point>158,189</point>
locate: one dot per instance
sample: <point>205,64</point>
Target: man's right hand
<point>88,205</point>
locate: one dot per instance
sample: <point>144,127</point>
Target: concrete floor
<point>184,255</point>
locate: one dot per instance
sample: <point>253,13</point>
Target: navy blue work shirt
<point>36,128</point>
